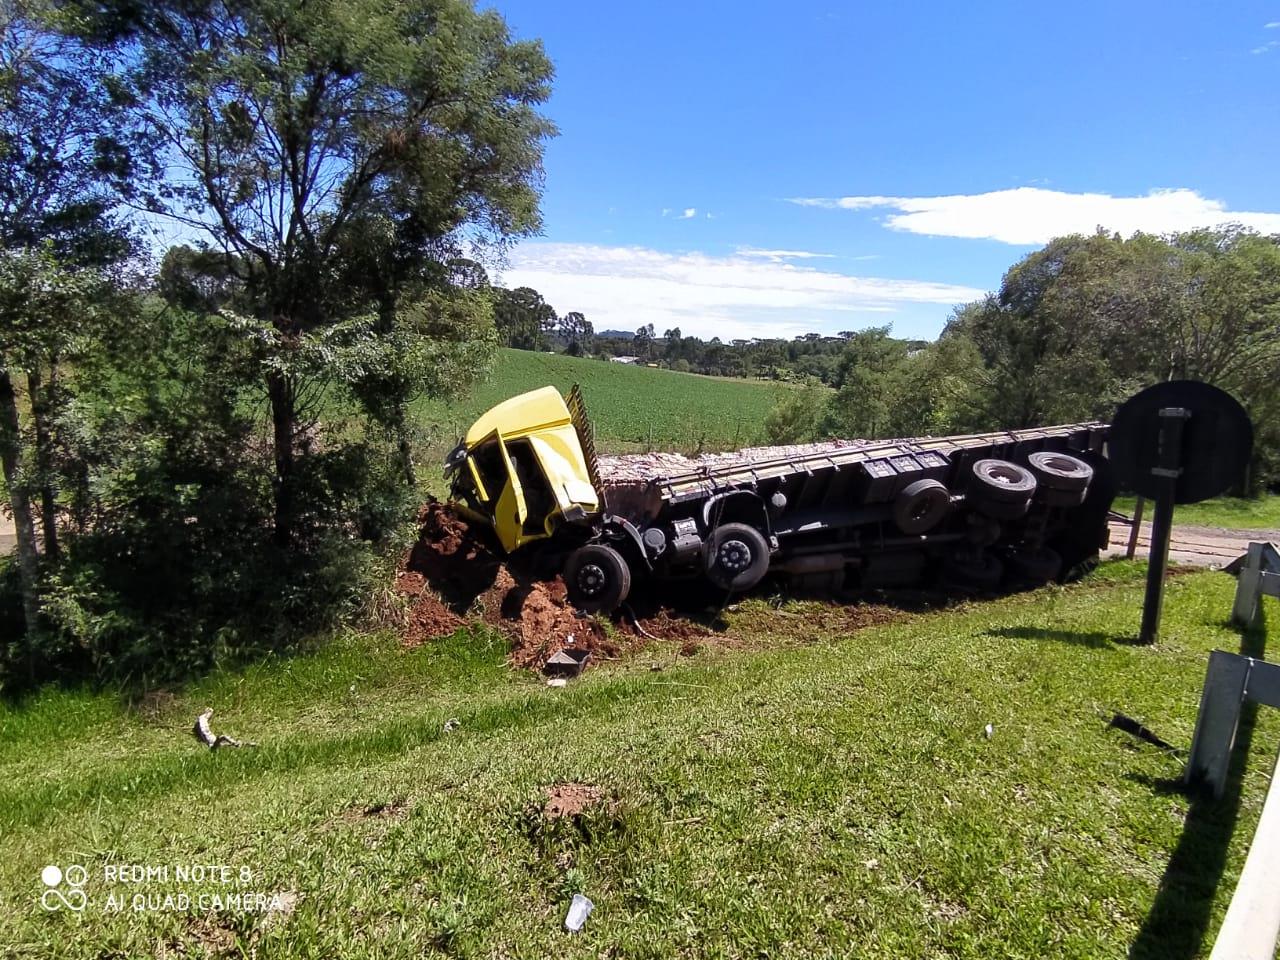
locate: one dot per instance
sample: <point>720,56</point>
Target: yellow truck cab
<point>522,469</point>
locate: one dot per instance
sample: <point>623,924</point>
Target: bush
<point>169,562</point>
<point>796,417</point>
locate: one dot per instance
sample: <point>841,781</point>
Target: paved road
<point>1201,546</point>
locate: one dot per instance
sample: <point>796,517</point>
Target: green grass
<point>1236,513</point>
<point>633,407</point>
<point>830,794</point>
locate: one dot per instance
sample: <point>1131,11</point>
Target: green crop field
<point>804,789</point>
<point>632,407</point>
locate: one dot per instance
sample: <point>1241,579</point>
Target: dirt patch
<point>156,706</point>
<point>455,574</point>
<point>391,810</point>
<point>570,800</point>
<point>207,933</point>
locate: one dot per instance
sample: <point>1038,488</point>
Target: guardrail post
<point>1248,589</point>
<point>1225,683</point>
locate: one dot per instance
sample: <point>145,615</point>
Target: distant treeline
<point>527,322</point>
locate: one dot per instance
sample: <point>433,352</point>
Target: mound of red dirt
<point>455,573</point>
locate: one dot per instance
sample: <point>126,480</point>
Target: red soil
<point>453,574</point>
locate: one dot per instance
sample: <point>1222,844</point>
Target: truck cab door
<point>509,510</point>
<point>500,490</point>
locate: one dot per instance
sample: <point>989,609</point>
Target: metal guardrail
<point>1251,927</point>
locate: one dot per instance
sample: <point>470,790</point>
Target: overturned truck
<point>976,513</point>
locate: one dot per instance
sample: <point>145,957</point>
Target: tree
<point>796,417</point>
<point>1080,325</point>
<point>67,155</point>
<point>643,341</point>
<point>577,332</point>
<point>523,318</point>
<point>298,131</point>
<point>869,381</point>
<point>43,309</point>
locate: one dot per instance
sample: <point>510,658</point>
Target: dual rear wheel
<point>598,578</point>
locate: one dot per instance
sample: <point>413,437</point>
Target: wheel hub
<point>734,555</point>
<point>592,579</point>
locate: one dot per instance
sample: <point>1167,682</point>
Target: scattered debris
<point>579,910</point>
<point>557,682</point>
<point>281,909</point>
<point>988,730</point>
<point>206,736</point>
<point>452,724</point>
<point>1134,728</point>
<point>566,663</point>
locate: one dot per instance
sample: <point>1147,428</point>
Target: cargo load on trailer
<point>978,512</point>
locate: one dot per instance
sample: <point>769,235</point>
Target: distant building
<point>624,359</point>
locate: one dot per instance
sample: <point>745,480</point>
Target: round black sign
<point>1217,440</point>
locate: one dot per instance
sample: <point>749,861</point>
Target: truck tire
<point>1002,509</point>
<point>597,578</point>
<point>737,556</point>
<point>1002,481</point>
<point>920,506</point>
<point>1063,480</point>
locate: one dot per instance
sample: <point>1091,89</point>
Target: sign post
<point>1177,442</point>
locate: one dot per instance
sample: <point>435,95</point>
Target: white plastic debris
<point>579,910</point>
<point>452,724</point>
<point>557,682</point>
<point>988,730</point>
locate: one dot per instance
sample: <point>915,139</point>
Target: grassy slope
<point>1231,512</point>
<point>832,797</point>
<point>631,406</point>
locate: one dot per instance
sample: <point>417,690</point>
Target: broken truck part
<point>974,513</point>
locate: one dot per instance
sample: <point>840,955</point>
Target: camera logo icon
<point>64,887</point>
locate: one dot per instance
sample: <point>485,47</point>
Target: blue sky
<point>743,169</point>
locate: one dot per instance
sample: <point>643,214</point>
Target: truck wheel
<point>597,578</point>
<point>1063,480</point>
<point>1002,481</point>
<point>737,557</point>
<point>921,506</point>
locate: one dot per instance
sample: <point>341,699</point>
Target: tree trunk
<point>284,417</point>
<point>11,460</point>
<point>404,448</point>
<point>41,407</point>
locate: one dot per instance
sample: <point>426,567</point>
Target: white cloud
<point>689,213</point>
<point>738,295</point>
<point>781,255</point>
<point>1273,25</point>
<point>1032,215</point>
<point>1266,47</point>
